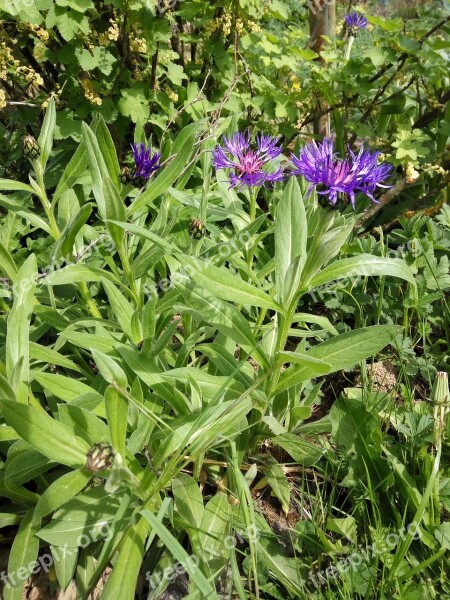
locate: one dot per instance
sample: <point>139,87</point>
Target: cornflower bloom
<point>320,166</point>
<point>354,22</point>
<point>145,163</point>
<point>248,163</point>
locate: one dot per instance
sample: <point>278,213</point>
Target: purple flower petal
<point>322,168</point>
<point>249,166</point>
<point>145,164</point>
<point>355,21</point>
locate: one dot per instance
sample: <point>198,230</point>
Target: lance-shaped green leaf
<point>116,412</point>
<point>65,388</point>
<point>328,238</point>
<point>6,391</point>
<point>188,500</point>
<point>64,245</point>
<point>147,235</point>
<point>47,355</point>
<point>76,274</point>
<point>22,556</point>
<point>308,366</point>
<point>180,153</point>
<point>47,435</point>
<point>121,308</point>
<point>225,285</point>
<point>179,553</point>
<point>109,369</point>
<point>17,339</point>
<point>342,351</point>
<point>220,314</point>
<point>109,202</point>
<point>10,185</point>
<point>291,235</point>
<point>7,264</point>
<point>276,478</point>
<point>97,167</point>
<point>45,139</point>
<point>114,211</point>
<point>302,451</point>
<point>107,148</point>
<point>17,207</point>
<point>74,170</point>
<point>213,529</point>
<point>151,375</point>
<point>363,265</point>
<point>61,491</point>
<point>65,562</point>
<point>122,581</point>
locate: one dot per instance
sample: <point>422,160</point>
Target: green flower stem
<point>48,208</point>
<point>348,47</point>
<point>127,270</point>
<point>46,204</point>
<point>283,333</point>
<point>252,195</point>
<point>86,295</point>
<point>4,307</point>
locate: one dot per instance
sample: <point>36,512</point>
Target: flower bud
<point>440,392</point>
<point>31,147</point>
<point>100,457</point>
<point>126,175</point>
<point>197,229</point>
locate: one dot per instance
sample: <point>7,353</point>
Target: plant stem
<point>48,208</point>
<point>283,333</point>
<point>252,195</point>
<point>46,204</point>
<point>348,47</point>
<point>127,271</point>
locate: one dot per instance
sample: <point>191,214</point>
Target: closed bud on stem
<point>31,147</point>
<point>440,392</point>
<point>197,229</point>
<point>126,175</point>
<point>100,457</point>
<point>440,397</point>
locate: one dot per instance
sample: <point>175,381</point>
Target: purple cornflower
<point>247,163</point>
<point>145,163</point>
<point>320,166</point>
<point>355,21</point>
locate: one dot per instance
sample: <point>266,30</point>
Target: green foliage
<point>205,408</point>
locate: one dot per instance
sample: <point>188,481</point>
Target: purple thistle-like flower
<point>355,21</point>
<point>322,168</point>
<point>146,164</point>
<point>246,161</point>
